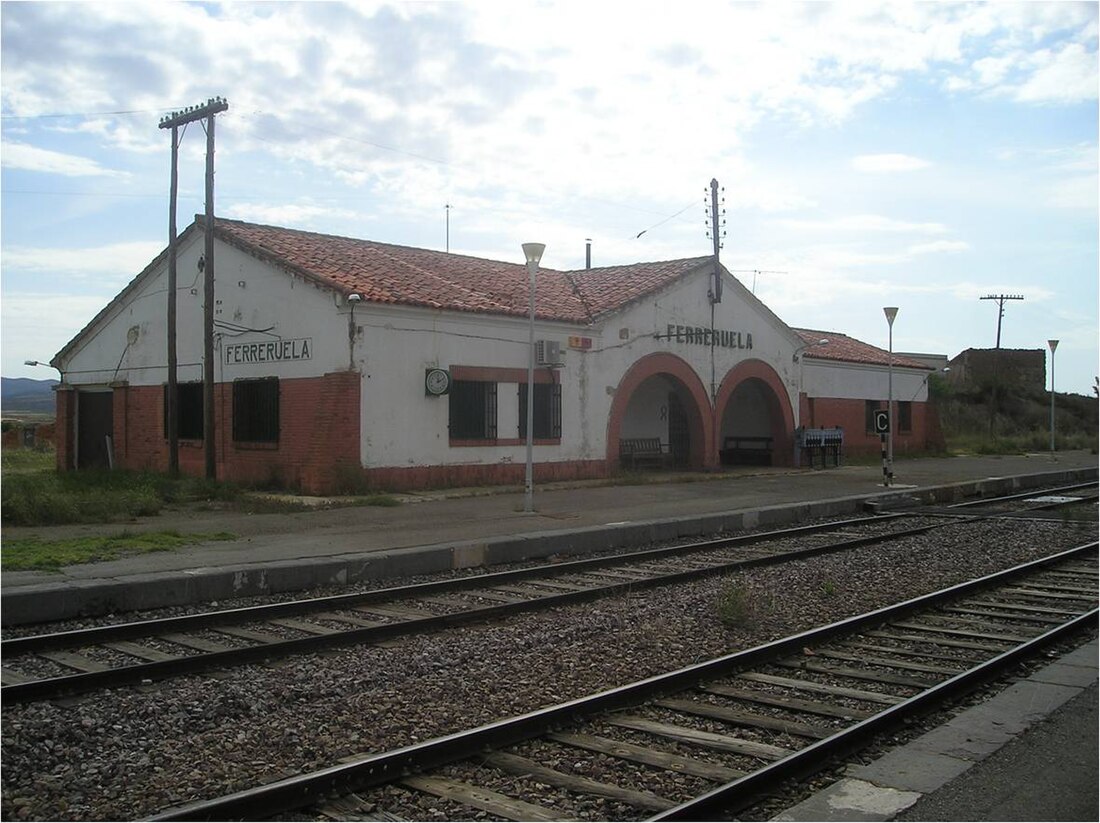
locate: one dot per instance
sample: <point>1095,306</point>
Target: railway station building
<point>349,363</point>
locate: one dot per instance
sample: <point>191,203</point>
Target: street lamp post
<point>1053,345</point>
<point>533,254</point>
<point>891,312</point>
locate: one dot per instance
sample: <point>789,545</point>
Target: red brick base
<point>318,436</point>
<point>924,436</point>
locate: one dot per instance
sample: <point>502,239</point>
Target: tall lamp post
<point>533,253</point>
<point>1053,345</point>
<point>891,312</point>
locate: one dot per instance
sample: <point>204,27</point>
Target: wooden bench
<point>744,450</point>
<point>642,452</point>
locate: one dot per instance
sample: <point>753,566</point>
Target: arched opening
<point>660,398</point>
<point>756,422</point>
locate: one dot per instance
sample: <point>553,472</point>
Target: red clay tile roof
<point>849,350</point>
<point>384,273</point>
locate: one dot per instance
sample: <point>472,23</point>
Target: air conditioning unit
<point>548,352</point>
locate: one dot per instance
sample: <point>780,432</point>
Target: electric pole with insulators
<point>206,111</point>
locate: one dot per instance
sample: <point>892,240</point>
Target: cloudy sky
<point>917,155</point>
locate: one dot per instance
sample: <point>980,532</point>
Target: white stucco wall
<point>392,346</point>
<point>850,381</point>
<point>403,426</point>
<point>130,344</point>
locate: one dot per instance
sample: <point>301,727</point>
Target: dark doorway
<point>95,424</point>
<point>679,434</point>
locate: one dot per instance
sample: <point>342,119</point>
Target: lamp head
<point>354,298</point>
<point>533,252</point>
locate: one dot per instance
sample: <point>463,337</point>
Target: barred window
<point>188,411</point>
<point>547,416</point>
<point>905,416</point>
<point>473,410</point>
<point>256,410</point>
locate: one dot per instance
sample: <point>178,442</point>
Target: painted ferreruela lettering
<point>269,351</point>
<point>699,336</point>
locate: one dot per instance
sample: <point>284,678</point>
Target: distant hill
<point>21,395</point>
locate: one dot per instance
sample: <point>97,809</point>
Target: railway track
<point>705,741</point>
<point>52,665</point>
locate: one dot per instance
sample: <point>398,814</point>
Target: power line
<point>80,114</point>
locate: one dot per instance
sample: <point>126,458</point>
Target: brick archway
<point>700,419</point>
<point>780,413</point>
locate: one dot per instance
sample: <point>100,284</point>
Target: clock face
<point>437,381</point>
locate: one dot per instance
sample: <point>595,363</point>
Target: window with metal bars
<point>905,416</point>
<point>256,410</point>
<point>472,410</point>
<point>188,411</point>
<point>547,411</point>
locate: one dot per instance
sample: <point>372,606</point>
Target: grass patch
<point>384,500</point>
<point>29,553</point>
<point>34,493</point>
<point>23,461</point>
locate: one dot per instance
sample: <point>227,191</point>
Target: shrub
<point>734,604</point>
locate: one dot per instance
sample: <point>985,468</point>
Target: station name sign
<point>269,351</point>
<point>699,336</point>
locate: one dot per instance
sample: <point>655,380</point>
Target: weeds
<point>735,606</point>
<point>32,553</point>
<point>44,497</point>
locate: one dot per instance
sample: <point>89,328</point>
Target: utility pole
<point>213,106</point>
<point>1001,298</point>
<point>172,402</point>
<point>993,403</point>
<point>447,208</point>
<point>717,232</point>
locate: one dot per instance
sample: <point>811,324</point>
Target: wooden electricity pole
<point>993,401</point>
<point>212,107</point>
<point>173,362</point>
<point>1001,298</point>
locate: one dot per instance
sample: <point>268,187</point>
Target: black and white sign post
<point>882,428</point>
<point>891,312</point>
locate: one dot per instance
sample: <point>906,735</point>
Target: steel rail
<point>135,674</point>
<point>304,790</point>
<point>1008,498</point>
<point>249,614</point>
<point>744,791</point>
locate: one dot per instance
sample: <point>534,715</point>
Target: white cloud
<point>1068,75</point>
<point>866,223</point>
<point>120,262</point>
<point>300,215</point>
<point>35,326</point>
<point>878,163</point>
<point>31,158</point>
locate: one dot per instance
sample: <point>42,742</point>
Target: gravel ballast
<point>129,753</point>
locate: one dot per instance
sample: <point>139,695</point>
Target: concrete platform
<point>1029,753</point>
<point>465,528</point>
